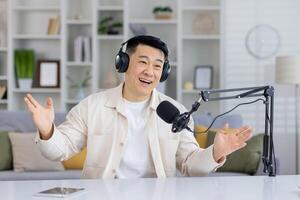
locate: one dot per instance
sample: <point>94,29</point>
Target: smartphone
<point>61,192</point>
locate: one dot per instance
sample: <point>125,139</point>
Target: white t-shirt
<point>136,160</point>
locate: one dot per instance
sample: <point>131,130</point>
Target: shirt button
<point>113,171</point>
<point>122,144</point>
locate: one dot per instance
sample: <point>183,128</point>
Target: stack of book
<point>82,49</point>
<point>53,25</point>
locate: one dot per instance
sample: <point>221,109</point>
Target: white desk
<point>202,188</point>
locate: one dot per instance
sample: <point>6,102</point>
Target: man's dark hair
<point>148,40</point>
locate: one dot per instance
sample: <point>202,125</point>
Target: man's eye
<point>157,66</point>
<point>143,62</point>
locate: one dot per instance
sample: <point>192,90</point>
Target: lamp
<point>288,72</point>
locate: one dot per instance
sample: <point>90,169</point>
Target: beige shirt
<point>99,123</point>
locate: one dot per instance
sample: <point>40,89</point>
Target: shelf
<point>37,37</point>
<point>153,21</point>
<point>110,8</point>
<point>190,91</point>
<point>110,37</point>
<point>201,8</point>
<point>72,101</point>
<point>38,90</point>
<point>3,101</point>
<point>3,78</point>
<point>201,37</point>
<point>79,22</point>
<point>3,49</point>
<point>79,64</point>
<point>27,8</point>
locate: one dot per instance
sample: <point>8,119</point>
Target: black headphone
<point>122,61</point>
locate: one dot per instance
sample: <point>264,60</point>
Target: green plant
<point>158,9</point>
<point>108,26</point>
<point>24,63</point>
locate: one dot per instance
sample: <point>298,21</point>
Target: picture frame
<point>203,77</point>
<point>48,73</point>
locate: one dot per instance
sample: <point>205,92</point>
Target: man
<point>124,136</point>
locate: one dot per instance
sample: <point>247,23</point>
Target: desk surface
<point>205,188</point>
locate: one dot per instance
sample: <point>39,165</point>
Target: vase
<point>80,93</point>
<point>25,83</point>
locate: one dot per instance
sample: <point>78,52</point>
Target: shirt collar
<point>115,99</point>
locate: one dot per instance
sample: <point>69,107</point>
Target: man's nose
<point>149,70</point>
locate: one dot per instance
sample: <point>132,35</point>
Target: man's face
<point>144,71</point>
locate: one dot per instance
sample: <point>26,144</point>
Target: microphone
<point>170,114</point>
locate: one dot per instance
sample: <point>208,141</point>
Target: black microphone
<point>170,114</point>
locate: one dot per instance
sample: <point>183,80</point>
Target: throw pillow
<point>5,152</point>
<point>27,156</point>
<point>76,162</point>
<point>202,138</point>
<point>245,160</point>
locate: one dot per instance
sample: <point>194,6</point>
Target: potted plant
<point>108,26</point>
<point>80,86</point>
<point>24,66</point>
<point>162,12</point>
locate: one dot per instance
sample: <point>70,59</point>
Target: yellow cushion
<point>75,162</point>
<point>202,137</point>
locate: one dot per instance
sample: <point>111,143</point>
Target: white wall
<point>243,70</point>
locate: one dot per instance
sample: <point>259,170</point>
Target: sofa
<point>20,121</point>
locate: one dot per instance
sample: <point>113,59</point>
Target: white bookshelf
<point>199,46</point>
<point>36,9</point>
<point>153,21</point>
<point>36,37</point>
<point>79,22</point>
<point>81,18</point>
<point>111,8</point>
<point>110,37</point>
<point>3,78</point>
<point>201,8</point>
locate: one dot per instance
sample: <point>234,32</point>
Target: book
<point>78,46</point>
<point>53,25</point>
<point>2,91</point>
<point>86,49</point>
<point>56,25</point>
<point>50,24</point>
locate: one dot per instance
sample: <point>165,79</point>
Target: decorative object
<point>288,72</point>
<point>24,65</point>
<point>203,23</point>
<point>203,77</point>
<point>138,29</point>
<point>48,73</point>
<point>161,12</point>
<point>109,26</point>
<point>263,41</point>
<point>188,85</point>
<point>80,85</point>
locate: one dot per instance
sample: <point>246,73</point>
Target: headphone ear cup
<point>166,71</point>
<point>122,62</point>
